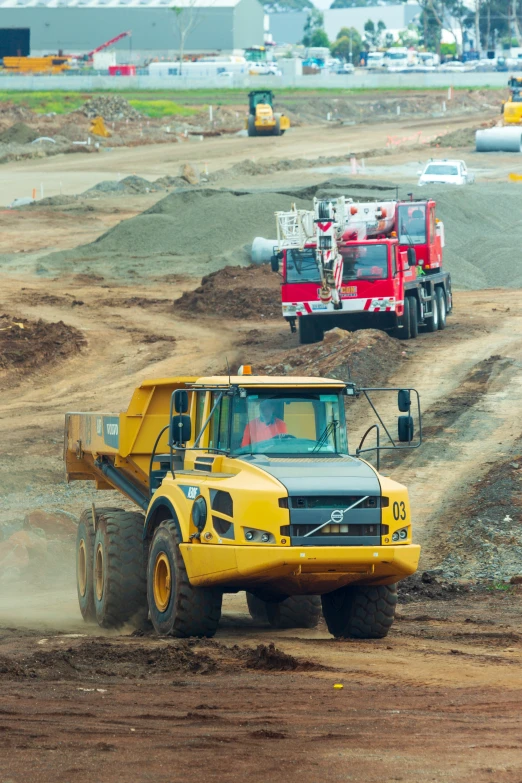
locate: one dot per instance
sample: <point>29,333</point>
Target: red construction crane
<point>106,45</point>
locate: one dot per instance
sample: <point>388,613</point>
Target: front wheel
<point>414,318</point>
<point>360,612</point>
<point>176,607</point>
<point>402,330</point>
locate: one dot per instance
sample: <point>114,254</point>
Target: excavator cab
<point>512,108</point>
<point>262,121</point>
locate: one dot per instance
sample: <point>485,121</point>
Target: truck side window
<point>219,423</point>
<point>200,406</point>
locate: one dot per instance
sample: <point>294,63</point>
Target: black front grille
<point>331,530</point>
<point>332,501</point>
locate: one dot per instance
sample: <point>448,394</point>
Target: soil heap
<point>19,133</point>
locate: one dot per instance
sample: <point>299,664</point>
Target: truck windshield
<point>272,422</point>
<point>412,224</point>
<point>301,266</point>
<point>441,170</point>
<point>365,262</point>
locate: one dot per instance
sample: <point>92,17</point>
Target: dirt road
<point>437,700</point>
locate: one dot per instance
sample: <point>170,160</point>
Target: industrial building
<point>38,27</point>
<point>288,26</point>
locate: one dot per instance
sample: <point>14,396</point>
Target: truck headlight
<point>262,536</point>
<point>400,535</point>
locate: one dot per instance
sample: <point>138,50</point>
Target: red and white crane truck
<point>362,265</point>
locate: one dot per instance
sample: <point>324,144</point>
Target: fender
<point>152,520</point>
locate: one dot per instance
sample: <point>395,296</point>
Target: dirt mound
<point>110,107</point>
<point>235,292</point>
<point>26,345</point>
<point>429,585</point>
<point>269,657</point>
<point>194,231</point>
<point>129,185</point>
<point>366,357</point>
<point>462,137</point>
<point>19,133</point>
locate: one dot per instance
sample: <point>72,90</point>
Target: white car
<point>445,172</point>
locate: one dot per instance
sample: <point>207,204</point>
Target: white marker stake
<point>450,93</point>
<point>444,106</point>
<point>41,190</point>
<point>210,117</point>
<point>398,110</point>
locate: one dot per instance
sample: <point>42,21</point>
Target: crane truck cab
<point>287,513</point>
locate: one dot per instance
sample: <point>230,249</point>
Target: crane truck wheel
<point>414,318</point>
<point>298,611</point>
<point>402,330</point>
<point>84,562</point>
<point>256,607</point>
<point>176,607</point>
<point>309,331</point>
<point>432,321</point>
<point>441,307</point>
<point>360,612</point>
<point>120,593</point>
<point>251,125</point>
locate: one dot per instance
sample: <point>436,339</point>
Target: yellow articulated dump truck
<point>242,483</point>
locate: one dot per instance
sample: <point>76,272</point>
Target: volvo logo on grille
<point>337,515</point>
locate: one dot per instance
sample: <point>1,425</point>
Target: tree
<point>372,33</point>
<point>348,45</point>
<point>319,38</point>
<point>186,17</point>
<point>314,22</point>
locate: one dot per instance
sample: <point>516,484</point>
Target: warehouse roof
<point>118,3</point>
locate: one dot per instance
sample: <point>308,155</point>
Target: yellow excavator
<point>261,120</point>
<point>512,108</point>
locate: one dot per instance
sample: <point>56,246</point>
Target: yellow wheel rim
<point>162,582</point>
<point>82,568</point>
<point>99,572</point>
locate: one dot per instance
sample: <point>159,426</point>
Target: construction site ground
<point>438,699</point>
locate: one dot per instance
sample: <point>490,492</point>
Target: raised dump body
<point>243,483</point>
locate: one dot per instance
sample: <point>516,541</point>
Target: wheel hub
<point>99,572</point>
<point>82,568</point>
<point>162,582</point>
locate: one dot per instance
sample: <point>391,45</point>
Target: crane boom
<point>106,45</point>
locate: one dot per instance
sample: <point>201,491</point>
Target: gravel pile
<point>19,133</point>
<point>111,107</point>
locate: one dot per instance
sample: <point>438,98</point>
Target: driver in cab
<point>265,427</point>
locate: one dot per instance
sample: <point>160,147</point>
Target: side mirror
<point>404,400</point>
<point>180,429</point>
<point>406,429</point>
<point>181,401</point>
<point>274,263</point>
<point>412,258</point>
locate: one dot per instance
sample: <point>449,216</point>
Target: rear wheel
<point>256,607</point>
<point>441,307</point>
<point>298,611</point>
<point>119,569</point>
<point>251,125</point>
<point>414,318</point>
<point>432,321</point>
<point>84,561</point>
<point>402,330</point>
<point>360,612</point>
<point>309,330</point>
<point>176,607</point>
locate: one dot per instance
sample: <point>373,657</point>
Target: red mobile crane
<point>89,55</point>
<point>360,265</point>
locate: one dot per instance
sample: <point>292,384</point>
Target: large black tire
<point>414,318</point>
<point>252,125</point>
<point>256,607</point>
<point>402,330</point>
<point>432,321</point>
<point>298,611</point>
<point>309,330</point>
<point>176,607</point>
<point>361,612</point>
<point>120,592</point>
<point>84,562</point>
<point>441,307</point>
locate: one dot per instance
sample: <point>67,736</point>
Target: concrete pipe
<point>262,250</point>
<point>499,140</point>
